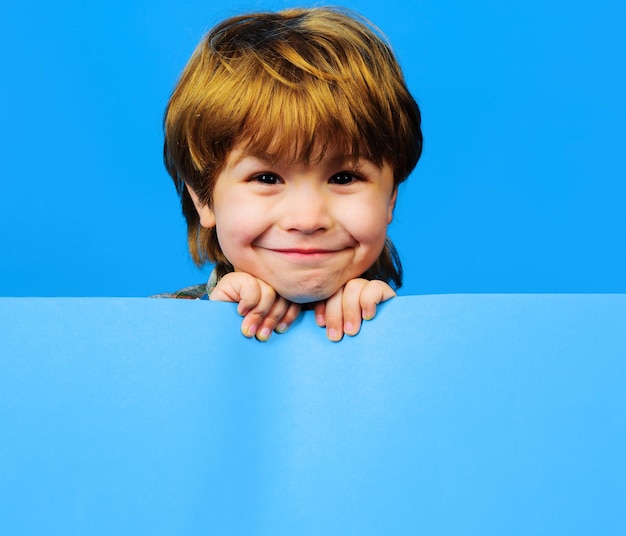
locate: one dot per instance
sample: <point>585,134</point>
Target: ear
<point>392,204</point>
<point>207,217</point>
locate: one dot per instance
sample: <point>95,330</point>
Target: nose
<point>305,210</point>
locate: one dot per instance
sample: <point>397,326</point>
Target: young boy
<point>287,136</point>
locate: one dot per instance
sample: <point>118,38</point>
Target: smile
<point>310,254</point>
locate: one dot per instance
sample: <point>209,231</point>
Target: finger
<point>351,305</point>
<point>260,307</point>
<point>320,313</point>
<point>293,310</point>
<point>334,316</point>
<point>271,318</point>
<point>238,287</point>
<point>373,293</point>
<point>253,296</point>
<point>229,288</point>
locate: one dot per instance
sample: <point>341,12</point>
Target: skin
<point>265,311</point>
<point>299,234</point>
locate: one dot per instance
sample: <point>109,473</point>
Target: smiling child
<point>287,137</point>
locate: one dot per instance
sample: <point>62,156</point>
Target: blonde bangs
<point>301,125</point>
<point>292,109</point>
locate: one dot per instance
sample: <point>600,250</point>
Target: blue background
<point>520,189</point>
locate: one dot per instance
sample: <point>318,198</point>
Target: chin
<point>306,294</point>
<point>305,298</point>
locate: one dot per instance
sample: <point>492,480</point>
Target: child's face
<point>304,230</point>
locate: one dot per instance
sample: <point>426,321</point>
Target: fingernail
<point>320,320</point>
<point>252,330</point>
<point>265,334</point>
<point>282,327</point>
<point>333,335</point>
<point>349,327</point>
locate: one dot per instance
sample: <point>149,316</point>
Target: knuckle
<point>355,285</point>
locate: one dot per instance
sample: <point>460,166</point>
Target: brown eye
<point>266,178</point>
<point>345,177</point>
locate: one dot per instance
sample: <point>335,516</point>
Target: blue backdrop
<point>520,188</point>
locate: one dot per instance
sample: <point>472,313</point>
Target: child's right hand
<point>263,310</point>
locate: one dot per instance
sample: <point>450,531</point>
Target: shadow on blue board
<point>481,414</point>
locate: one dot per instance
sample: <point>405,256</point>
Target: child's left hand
<point>355,301</point>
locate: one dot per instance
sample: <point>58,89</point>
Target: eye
<point>266,178</point>
<point>345,177</point>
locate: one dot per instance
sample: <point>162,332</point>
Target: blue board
<point>458,414</point>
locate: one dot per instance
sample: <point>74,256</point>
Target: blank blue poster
<point>458,414</point>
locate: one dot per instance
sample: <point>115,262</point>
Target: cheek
<point>368,224</point>
<point>232,233</point>
<point>237,227</point>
